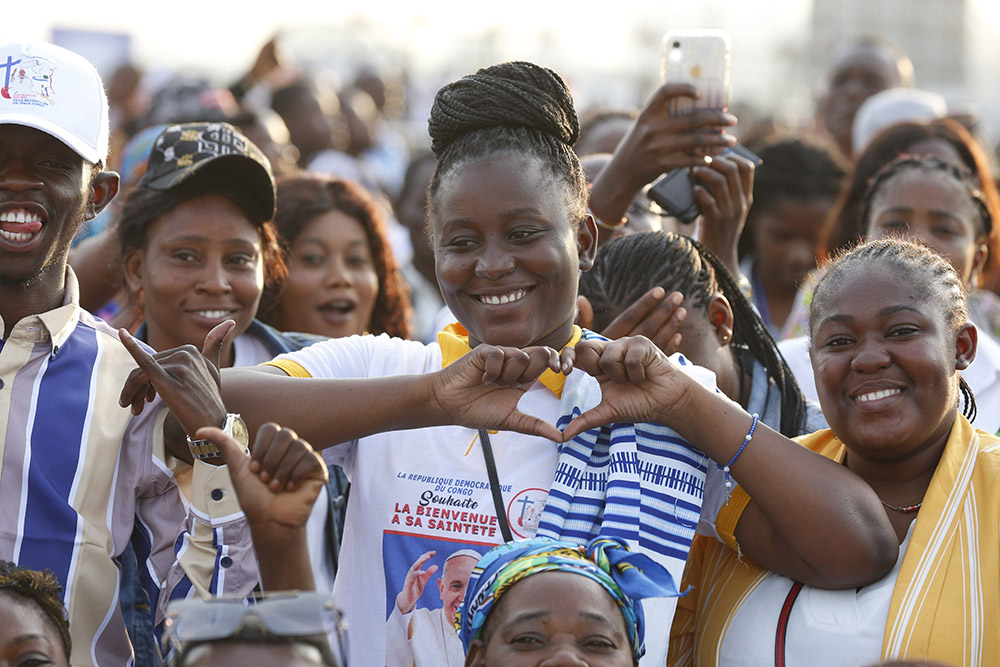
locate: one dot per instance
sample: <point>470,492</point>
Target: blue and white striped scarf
<point>642,483</point>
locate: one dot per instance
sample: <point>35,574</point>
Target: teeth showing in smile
<point>877,395</point>
<point>212,314</point>
<point>15,236</point>
<point>19,215</point>
<point>503,298</point>
<point>32,223</point>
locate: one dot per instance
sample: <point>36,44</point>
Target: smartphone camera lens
<point>677,45</point>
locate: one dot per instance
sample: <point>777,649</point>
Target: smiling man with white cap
<point>77,469</point>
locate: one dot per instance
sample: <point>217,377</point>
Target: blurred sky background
<point>608,51</point>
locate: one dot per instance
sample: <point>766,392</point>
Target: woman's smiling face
<point>201,264</point>
<point>885,357</point>
<point>561,618</point>
<point>508,254</point>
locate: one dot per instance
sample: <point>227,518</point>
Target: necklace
<point>905,509</point>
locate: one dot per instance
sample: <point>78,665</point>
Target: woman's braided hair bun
<point>509,95</point>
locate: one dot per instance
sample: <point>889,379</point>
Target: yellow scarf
<point>454,342</point>
<point>946,602</point>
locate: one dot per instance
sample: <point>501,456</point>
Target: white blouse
<point>837,628</point>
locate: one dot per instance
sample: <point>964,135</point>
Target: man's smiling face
<point>45,194</point>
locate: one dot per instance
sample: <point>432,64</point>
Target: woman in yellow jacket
<point>890,336</point>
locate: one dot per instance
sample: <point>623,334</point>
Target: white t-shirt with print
<point>427,490</point>
<point>421,490</point>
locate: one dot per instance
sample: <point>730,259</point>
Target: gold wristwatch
<point>234,427</point>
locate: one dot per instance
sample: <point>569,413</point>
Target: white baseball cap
<point>54,90</point>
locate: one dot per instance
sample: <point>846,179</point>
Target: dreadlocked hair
<point>929,164</point>
<point>511,108</point>
<point>41,588</point>
<point>914,262</point>
<point>798,169</point>
<point>681,264</point>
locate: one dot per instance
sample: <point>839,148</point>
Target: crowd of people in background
<point>281,383</point>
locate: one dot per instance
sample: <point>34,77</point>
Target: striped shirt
<point>77,471</point>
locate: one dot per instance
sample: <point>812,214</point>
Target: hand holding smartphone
<point>700,58</point>
<point>682,122</point>
<point>674,191</point>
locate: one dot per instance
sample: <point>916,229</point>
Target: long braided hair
<point>514,107</point>
<point>628,267</point>
<point>915,263</point>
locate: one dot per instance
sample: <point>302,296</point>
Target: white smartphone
<point>700,58</point>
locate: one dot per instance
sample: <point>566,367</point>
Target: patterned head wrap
<point>627,577</point>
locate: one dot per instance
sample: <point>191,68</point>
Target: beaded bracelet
<point>746,441</point>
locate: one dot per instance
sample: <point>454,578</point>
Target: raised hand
<point>263,499</point>
<point>638,383</point>
<point>186,379</point>
<point>724,190</point>
<point>284,460</point>
<point>657,143</point>
<point>277,518</point>
<point>415,582</point>
<point>482,389</point>
<point>655,315</point>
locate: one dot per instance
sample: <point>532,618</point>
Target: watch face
<point>239,430</point>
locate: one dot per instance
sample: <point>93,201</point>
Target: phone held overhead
<point>700,58</point>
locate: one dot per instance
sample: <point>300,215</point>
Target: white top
<point>836,628</point>
<point>420,490</point>
<point>982,376</point>
<point>435,642</point>
<point>427,490</point>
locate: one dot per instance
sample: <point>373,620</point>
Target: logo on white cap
<point>54,90</point>
<point>28,80</point>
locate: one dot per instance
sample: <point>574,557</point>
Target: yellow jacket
<point>946,601</point>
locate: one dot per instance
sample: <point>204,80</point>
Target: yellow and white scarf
<point>946,602</point>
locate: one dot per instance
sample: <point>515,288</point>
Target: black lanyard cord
<point>491,471</point>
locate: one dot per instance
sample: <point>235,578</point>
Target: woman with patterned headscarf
<point>583,602</point>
